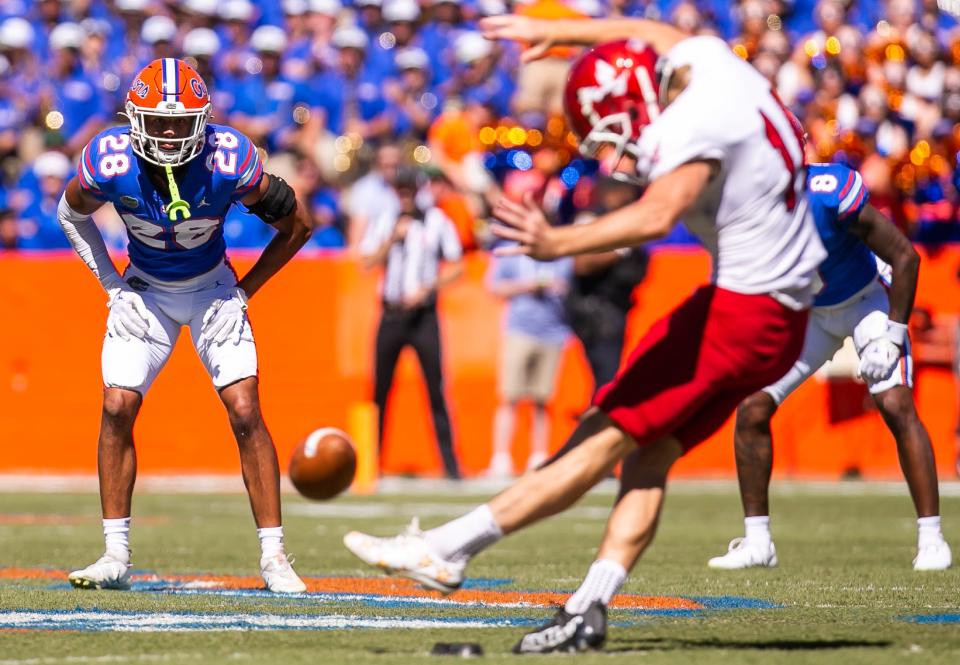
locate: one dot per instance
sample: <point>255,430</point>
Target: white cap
<point>368,3</point>
<point>131,5</point>
<point>350,37</point>
<point>472,46</point>
<point>16,32</point>
<point>412,58</point>
<point>203,7</point>
<point>326,7</point>
<point>95,26</point>
<point>491,7</point>
<point>401,10</point>
<point>201,42</point>
<point>588,7</point>
<point>294,7</point>
<point>52,165</point>
<point>268,38</point>
<point>236,10</point>
<point>158,29</point>
<point>67,35</point>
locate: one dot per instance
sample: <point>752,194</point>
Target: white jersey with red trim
<point>754,215</point>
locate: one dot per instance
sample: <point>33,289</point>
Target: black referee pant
<point>420,329</point>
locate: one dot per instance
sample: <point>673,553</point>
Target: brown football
<point>324,464</point>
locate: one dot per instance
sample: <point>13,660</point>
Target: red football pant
<point>694,366</point>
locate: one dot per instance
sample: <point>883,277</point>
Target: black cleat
<point>568,633</point>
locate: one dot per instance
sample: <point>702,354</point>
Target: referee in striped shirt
<point>411,243</point>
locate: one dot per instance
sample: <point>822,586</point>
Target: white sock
<point>116,534</point>
<point>757,529</point>
<point>465,537</point>
<point>271,541</point>
<point>928,531</point>
<point>540,435</point>
<point>602,582</point>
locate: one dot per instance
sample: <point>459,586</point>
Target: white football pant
<point>863,316</point>
<point>135,363</point>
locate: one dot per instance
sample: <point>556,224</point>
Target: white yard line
<point>479,488</point>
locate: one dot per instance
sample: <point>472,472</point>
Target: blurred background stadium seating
<point>326,89</point>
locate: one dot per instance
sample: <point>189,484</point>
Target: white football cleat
<point>535,460</point>
<point>279,575</point>
<point>742,553</point>
<point>935,556</point>
<point>501,466</point>
<point>408,555</point>
<point>107,572</point>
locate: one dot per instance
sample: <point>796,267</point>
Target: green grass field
<point>841,594</point>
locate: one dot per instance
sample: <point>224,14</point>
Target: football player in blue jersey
<point>859,300</point>
<point>172,176</point>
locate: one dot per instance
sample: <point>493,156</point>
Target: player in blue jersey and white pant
<point>857,300</point>
<point>172,177</point>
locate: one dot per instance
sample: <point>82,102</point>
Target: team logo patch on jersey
<point>129,202</point>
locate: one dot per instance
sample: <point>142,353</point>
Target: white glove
<point>128,314</point>
<point>225,318</point>
<point>880,356</point>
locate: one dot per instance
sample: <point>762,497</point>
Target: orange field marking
<point>381,586</point>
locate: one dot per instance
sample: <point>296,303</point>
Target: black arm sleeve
<point>277,202</point>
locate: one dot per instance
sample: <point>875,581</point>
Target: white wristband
<point>896,332</point>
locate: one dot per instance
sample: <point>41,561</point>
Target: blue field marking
<point>486,582</point>
<point>933,618</point>
<point>92,620</point>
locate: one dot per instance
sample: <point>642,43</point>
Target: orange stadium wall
<point>315,325</point>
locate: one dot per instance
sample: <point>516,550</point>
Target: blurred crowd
<point>339,93</point>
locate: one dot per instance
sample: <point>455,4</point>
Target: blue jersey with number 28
<point>225,171</point>
<point>837,196</point>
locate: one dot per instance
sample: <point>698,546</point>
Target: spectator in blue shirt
<point>197,14</point>
<point>201,46</point>
<point>16,45</point>
<point>327,233</point>
<point>536,331</point>
<point>264,103</point>
<point>37,223</point>
<point>157,34</point>
<point>439,33</point>
<point>369,16</point>
<point>78,109</point>
<point>348,99</point>
<point>413,103</point>
<point>478,78</point>
<point>400,17</point>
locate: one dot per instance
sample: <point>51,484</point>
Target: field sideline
<point>844,593</point>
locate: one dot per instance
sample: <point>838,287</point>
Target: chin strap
<point>177,205</point>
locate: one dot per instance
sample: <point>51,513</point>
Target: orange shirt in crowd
<point>454,135</point>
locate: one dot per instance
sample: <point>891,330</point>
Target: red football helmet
<point>611,95</point>
<point>168,92</point>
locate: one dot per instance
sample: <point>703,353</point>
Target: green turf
<point>844,580</point>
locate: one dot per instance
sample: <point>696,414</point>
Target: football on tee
<point>324,464</point>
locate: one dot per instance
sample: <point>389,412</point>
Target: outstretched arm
<point>886,241</point>
<point>542,34</point>
<point>649,218</point>
<point>73,213</point>
<point>275,203</point>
